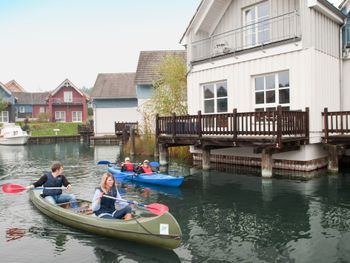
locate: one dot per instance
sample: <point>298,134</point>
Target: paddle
<point>15,188</point>
<point>157,209</point>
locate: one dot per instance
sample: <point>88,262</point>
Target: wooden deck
<point>279,130</point>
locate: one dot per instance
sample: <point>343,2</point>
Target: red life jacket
<point>147,169</point>
<point>129,167</point>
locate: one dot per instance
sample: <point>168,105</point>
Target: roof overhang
<point>206,17</point>
<point>5,89</point>
<point>327,9</point>
<point>63,85</point>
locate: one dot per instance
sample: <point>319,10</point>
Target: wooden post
<point>325,123</point>
<point>199,125</point>
<point>132,140</point>
<point>174,125</point>
<point>266,164</point>
<point>205,158</point>
<point>307,124</point>
<point>333,165</point>
<point>234,124</point>
<point>279,127</point>
<point>156,148</point>
<point>163,154</point>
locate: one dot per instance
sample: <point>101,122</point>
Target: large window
<point>77,116</point>
<point>68,96</point>
<point>60,116</point>
<point>256,24</point>
<point>41,109</point>
<point>215,97</point>
<point>272,90</point>
<point>4,116</point>
<point>22,109</point>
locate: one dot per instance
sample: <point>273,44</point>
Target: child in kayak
<point>127,166</point>
<point>145,168</point>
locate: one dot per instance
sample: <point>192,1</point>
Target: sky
<point>43,42</point>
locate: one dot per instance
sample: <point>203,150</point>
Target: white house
<point>114,100</point>
<point>254,55</point>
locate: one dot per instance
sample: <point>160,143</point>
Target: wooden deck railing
<point>121,127</point>
<point>276,124</point>
<point>335,123</point>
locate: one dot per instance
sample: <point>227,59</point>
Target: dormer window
<point>68,96</point>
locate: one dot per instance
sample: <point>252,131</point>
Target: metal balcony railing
<point>266,31</point>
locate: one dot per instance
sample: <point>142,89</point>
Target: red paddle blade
<point>157,209</point>
<point>12,188</point>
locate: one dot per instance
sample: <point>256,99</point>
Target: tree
<point>3,104</point>
<point>170,94</point>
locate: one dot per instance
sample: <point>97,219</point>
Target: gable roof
<point>31,98</point>
<point>66,83</point>
<point>148,62</point>
<point>14,86</point>
<point>114,85</point>
<point>5,89</point>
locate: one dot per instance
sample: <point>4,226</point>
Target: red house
<point>67,103</point>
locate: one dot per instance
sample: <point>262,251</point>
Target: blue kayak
<point>152,178</point>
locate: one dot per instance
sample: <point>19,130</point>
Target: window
<point>60,116</point>
<point>68,96</point>
<point>77,116</point>
<point>215,97</point>
<point>41,109</point>
<point>257,24</point>
<point>22,109</point>
<point>4,116</point>
<point>272,90</point>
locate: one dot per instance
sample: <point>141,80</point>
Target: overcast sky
<point>43,42</point>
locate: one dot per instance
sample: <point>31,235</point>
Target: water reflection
<point>226,214</point>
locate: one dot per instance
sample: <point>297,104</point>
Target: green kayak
<point>145,227</point>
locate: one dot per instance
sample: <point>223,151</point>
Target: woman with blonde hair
<point>105,207</point>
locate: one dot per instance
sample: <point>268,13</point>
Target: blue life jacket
<point>107,204</point>
<point>53,182</point>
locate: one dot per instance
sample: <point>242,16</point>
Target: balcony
<point>61,101</point>
<point>265,32</point>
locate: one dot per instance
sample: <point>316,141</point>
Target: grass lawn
<point>46,128</point>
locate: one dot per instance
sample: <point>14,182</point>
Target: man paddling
<point>55,178</point>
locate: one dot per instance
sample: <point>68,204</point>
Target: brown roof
<point>13,86</point>
<point>148,62</point>
<point>114,85</point>
<point>31,98</point>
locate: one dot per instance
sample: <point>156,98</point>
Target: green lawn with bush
<point>46,128</point>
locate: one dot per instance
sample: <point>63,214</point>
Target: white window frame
<point>251,36</point>
<point>42,109</point>
<point>78,116</point>
<point>272,105</point>
<point>215,98</point>
<point>60,116</point>
<point>68,96</point>
<point>22,109</point>
<point>4,116</point>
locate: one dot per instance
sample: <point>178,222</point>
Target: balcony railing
<point>278,125</point>
<point>336,124</point>
<point>279,28</point>
<point>63,101</point>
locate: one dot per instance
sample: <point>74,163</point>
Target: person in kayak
<point>127,166</point>
<point>105,207</point>
<point>145,168</point>
<point>55,178</point>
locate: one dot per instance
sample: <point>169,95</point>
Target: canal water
<point>226,215</point>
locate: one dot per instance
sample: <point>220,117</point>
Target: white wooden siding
<point>104,119</point>
<point>311,83</point>
<point>319,31</point>
<point>346,85</point>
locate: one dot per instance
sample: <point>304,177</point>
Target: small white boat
<point>12,134</point>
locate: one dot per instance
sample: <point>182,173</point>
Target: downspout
<point>341,97</point>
